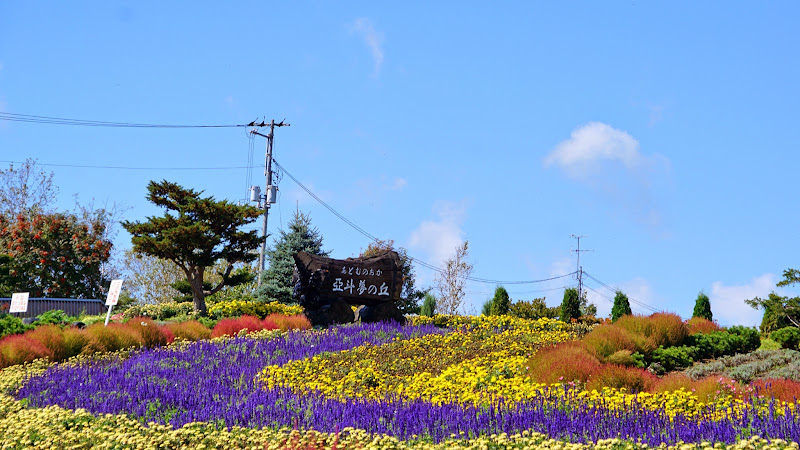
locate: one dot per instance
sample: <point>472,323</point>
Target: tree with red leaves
<point>56,255</point>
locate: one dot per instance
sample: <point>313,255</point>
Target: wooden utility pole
<point>270,193</point>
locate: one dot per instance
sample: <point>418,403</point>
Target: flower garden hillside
<point>440,382</point>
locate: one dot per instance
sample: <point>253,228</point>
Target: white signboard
<point>19,302</point>
<point>113,292</point>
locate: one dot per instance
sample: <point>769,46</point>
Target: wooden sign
<point>19,302</point>
<point>364,281</point>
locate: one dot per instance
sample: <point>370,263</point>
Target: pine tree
<point>570,306</point>
<point>201,232</point>
<point>501,302</point>
<point>702,307</point>
<point>276,281</point>
<point>622,306</point>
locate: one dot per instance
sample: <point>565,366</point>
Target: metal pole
<point>268,175</point>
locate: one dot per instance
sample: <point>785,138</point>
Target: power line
<point>80,166</point>
<point>642,304</point>
<point>609,299</point>
<point>12,117</point>
<point>416,260</point>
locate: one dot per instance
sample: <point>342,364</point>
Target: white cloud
<point>373,39</point>
<point>398,184</point>
<point>591,144</point>
<point>439,238</point>
<point>727,302</point>
<point>610,162</point>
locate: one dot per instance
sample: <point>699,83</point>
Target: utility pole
<point>271,192</point>
<point>579,269</point>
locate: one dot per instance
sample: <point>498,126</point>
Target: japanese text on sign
<point>19,302</point>
<point>349,286</point>
<point>113,292</point>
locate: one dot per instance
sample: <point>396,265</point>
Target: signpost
<point>113,297</point>
<point>19,302</point>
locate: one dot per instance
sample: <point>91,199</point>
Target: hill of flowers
<point>467,385</point>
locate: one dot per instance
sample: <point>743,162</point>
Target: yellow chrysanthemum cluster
<point>237,308</point>
<point>474,364</point>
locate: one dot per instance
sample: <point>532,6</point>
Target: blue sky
<point>662,130</point>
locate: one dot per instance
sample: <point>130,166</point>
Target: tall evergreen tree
<point>428,305</point>
<point>276,281</point>
<point>622,306</point>
<point>702,307</point>
<point>500,302</point>
<point>570,306</point>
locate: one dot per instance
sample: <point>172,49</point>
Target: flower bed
<point>475,395</point>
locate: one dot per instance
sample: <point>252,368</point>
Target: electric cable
<point>12,117</point>
<point>412,259</point>
<point>81,166</point>
<point>642,304</point>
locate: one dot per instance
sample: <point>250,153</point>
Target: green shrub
<point>675,357</point>
<point>751,336</point>
<point>715,344</point>
<point>534,309</point>
<point>12,325</point>
<point>239,308</point>
<point>54,317</point>
<point>160,311</point>
<point>787,337</point>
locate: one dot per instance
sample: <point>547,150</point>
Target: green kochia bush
<point>788,337</point>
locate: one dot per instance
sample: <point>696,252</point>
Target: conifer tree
<point>622,306</point>
<point>201,232</point>
<point>570,306</point>
<point>276,281</point>
<point>702,307</point>
<point>501,302</point>
<point>428,305</point>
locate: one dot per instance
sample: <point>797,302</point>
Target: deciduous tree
<point>452,281</point>
<point>194,233</point>
<point>56,255</point>
<point>26,190</point>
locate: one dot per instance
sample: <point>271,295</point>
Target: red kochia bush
<point>701,325</point>
<point>665,329</point>
<point>297,322</point>
<point>191,330</point>
<point>231,326</point>
<point>150,334</point>
<point>780,388</point>
<point>605,340</point>
<point>115,336</point>
<point>52,337</point>
<point>562,363</point>
<point>17,349</point>
<point>614,376</point>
